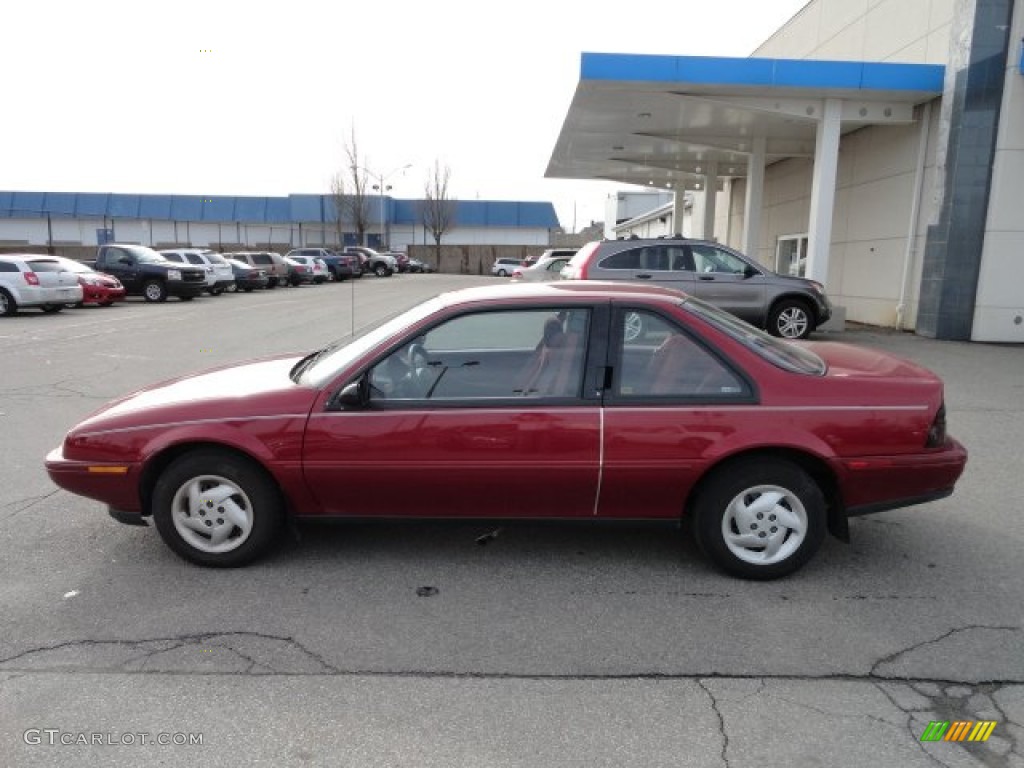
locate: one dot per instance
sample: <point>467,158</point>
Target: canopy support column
<point>823,190</point>
<point>754,202</point>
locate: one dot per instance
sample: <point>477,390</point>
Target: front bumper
<point>179,289</point>
<point>113,483</point>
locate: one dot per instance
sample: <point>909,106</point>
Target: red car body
<point>97,287</point>
<point>868,432</point>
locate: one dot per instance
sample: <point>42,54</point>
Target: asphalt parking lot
<point>416,645</point>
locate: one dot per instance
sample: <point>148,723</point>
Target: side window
<point>6,266</point>
<point>622,260</point>
<point>489,355</point>
<point>657,359</point>
<point>707,258</point>
<point>195,258</point>
<point>261,258</point>
<point>173,257</point>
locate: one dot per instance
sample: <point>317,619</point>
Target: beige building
<point>874,145</point>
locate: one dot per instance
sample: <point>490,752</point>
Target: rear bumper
<point>877,483</point>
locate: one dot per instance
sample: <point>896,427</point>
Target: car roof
<point>557,291</point>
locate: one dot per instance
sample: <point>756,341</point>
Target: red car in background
<point>97,288</point>
<point>574,400</point>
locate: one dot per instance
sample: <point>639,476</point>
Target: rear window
<point>782,354</point>
<point>45,266</point>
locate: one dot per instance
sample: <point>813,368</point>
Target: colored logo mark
<point>958,730</point>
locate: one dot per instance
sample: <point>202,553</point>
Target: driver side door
<point>483,415</point>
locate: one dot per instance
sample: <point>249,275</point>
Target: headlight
<point>91,281</point>
<point>174,274</point>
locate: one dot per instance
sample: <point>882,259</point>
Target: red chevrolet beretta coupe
<point>616,401</point>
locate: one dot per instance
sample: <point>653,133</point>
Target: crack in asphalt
<point>721,723</point>
<point>29,502</point>
<point>909,723</point>
<point>144,652</point>
<point>873,672</point>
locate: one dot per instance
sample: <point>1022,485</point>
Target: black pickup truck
<point>145,272</point>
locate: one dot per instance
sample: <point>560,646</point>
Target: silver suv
<point>791,307</point>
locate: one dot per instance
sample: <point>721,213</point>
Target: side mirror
<point>354,396</point>
<point>126,260</point>
<point>750,272</point>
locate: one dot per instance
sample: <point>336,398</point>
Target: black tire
<point>791,319</point>
<point>106,303</point>
<point>52,309</point>
<point>502,273</point>
<point>258,500</point>
<point>154,291</point>
<point>271,283</point>
<point>295,281</point>
<point>731,493</point>
<point>247,290</point>
<point>381,270</point>
<point>8,306</point>
<point>216,291</point>
<point>186,298</point>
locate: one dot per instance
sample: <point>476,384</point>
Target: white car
<point>219,275</point>
<point>320,272</point>
<point>547,267</point>
<point>35,280</point>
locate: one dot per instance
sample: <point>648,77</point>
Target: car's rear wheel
<point>154,291</point>
<point>381,270</point>
<point>760,518</point>
<point>502,273</point>
<point>216,291</point>
<point>217,509</point>
<point>8,306</point>
<point>790,319</point>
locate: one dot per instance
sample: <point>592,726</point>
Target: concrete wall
<point>999,311</point>
<point>913,31</point>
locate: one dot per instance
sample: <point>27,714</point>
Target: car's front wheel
<point>217,509</point>
<point>154,290</point>
<point>760,518</point>
<point>8,306</point>
<point>790,319</point>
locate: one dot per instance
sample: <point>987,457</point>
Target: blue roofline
<point>259,210</point>
<point>750,72</point>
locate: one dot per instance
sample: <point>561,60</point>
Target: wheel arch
<point>815,466</point>
<point>159,461</point>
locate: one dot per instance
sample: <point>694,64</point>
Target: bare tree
<point>349,193</point>
<point>437,211</point>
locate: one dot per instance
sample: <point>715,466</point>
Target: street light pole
<point>381,186</point>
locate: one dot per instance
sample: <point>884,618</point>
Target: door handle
<point>706,277</point>
<point>643,277</point>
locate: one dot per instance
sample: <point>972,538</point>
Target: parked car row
<point>120,269</point>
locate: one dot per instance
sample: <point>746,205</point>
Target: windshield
<point>337,356</point>
<point>147,255</point>
<point>784,354</point>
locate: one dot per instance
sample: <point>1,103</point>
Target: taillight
<point>937,431</point>
<point>31,278</point>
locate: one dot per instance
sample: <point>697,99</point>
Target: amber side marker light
<point>109,470</point>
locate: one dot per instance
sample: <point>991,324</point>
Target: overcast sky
<point>257,98</point>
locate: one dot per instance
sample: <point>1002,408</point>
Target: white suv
<point>219,275</point>
<point>34,280</point>
<point>504,267</point>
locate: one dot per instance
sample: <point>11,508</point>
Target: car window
<point>656,358</point>
<point>483,356</point>
<point>45,266</point>
<point>262,258</point>
<point>622,260</point>
<point>707,258</point>
<point>173,257</point>
<point>6,266</point>
<point>783,354</point>
<point>195,258</point>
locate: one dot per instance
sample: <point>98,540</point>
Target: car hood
<point>257,388</point>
